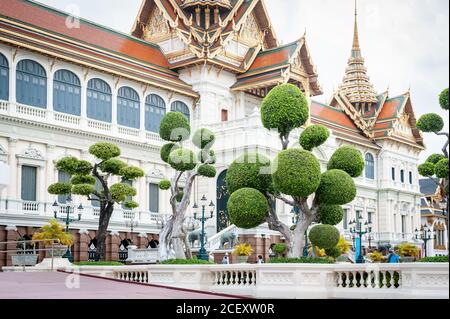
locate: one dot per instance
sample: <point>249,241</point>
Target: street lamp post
<point>425,234</point>
<point>203,254</point>
<point>67,219</point>
<point>359,232</point>
<point>132,224</point>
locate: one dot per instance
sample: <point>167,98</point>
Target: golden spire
<point>356,47</point>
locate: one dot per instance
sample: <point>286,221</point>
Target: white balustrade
<point>129,131</point>
<point>30,206</point>
<point>97,125</point>
<point>31,112</point>
<point>4,107</point>
<point>66,118</point>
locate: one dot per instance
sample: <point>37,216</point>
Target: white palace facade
<point>66,84</point>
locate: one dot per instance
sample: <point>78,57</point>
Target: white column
<point>14,176</point>
<point>50,172</point>
<point>83,104</point>
<point>12,80</point>
<point>50,91</point>
<point>114,110</point>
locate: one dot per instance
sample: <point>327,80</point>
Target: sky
<point>404,42</point>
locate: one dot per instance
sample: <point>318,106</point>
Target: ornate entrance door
<point>223,220</point>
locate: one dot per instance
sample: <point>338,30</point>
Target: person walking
<point>393,258</point>
<point>260,260</point>
<point>226,260</point>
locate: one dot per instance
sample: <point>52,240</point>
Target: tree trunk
<point>299,241</point>
<point>105,215</point>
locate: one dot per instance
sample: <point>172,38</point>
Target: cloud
<point>404,42</point>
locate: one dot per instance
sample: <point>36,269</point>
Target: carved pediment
<point>250,32</point>
<point>31,153</point>
<point>157,28</point>
<point>156,174</point>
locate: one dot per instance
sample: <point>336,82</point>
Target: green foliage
<point>112,166</point>
<point>174,127</point>
<point>84,168</point>
<point>348,159</point>
<point>131,173</point>
<point>435,158</point>
<point>443,99</point>
<point>280,249</point>
<point>430,123</point>
<point>203,139</point>
<point>304,260</point>
<point>104,151</point>
<point>120,191</point>
<point>98,263</point>
<point>83,179</point>
<point>314,136</point>
<point>83,189</point>
<point>426,169</point>
<point>333,252</point>
<point>165,185</point>
<point>441,168</point>
<point>251,170</point>
<point>324,236</point>
<point>207,156</point>
<point>207,170</point>
<point>130,204</point>
<point>68,164</point>
<point>179,197</point>
<point>186,262</point>
<point>436,259</point>
<point>284,108</point>
<point>60,189</point>
<point>247,208</point>
<point>54,230</point>
<point>296,172</point>
<point>166,150</point>
<point>336,188</point>
<point>330,214</point>
<point>182,160</point>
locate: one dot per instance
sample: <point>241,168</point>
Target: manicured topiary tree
<point>84,176</point>
<point>294,176</point>
<point>437,164</point>
<point>186,163</point>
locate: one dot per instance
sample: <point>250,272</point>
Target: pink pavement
<point>51,285</point>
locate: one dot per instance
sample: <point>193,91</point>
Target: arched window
<point>4,78</point>
<point>31,85</point>
<point>128,106</point>
<point>370,166</point>
<point>155,109</point>
<point>66,93</point>
<point>181,107</point>
<point>99,101</point>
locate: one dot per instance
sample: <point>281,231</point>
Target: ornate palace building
<point>66,84</point>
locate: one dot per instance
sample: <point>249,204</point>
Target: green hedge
<point>186,262</point>
<point>437,259</point>
<point>98,263</point>
<point>304,260</point>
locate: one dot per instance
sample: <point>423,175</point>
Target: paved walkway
<point>58,286</point>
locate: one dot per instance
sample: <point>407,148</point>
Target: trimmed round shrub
<point>314,136</point>
<point>182,160</point>
<point>165,185</point>
<point>112,166</point>
<point>83,179</point>
<point>68,165</point>
<point>324,236</point>
<point>203,139</point>
<point>348,159</point>
<point>336,188</point>
<point>441,168</point>
<point>104,151</point>
<point>207,156</point>
<point>131,172</point>
<point>130,204</point>
<point>333,252</point>
<point>330,214</point>
<point>84,168</point>
<point>296,172</point>
<point>435,158</point>
<point>207,170</point>
<point>60,189</point>
<point>174,127</point>
<point>280,249</point>
<point>167,149</point>
<point>247,208</point>
<point>430,123</point>
<point>83,189</point>
<point>426,169</point>
<point>443,99</point>
<point>120,191</point>
<point>251,170</point>
<point>284,108</point>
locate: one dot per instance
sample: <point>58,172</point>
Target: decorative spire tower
<point>356,85</point>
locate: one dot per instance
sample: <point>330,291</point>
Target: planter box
<point>242,259</point>
<point>58,251</point>
<point>24,260</point>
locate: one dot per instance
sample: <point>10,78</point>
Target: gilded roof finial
<point>356,46</point>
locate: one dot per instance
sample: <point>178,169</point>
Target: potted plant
<point>53,231</point>
<point>26,253</point>
<point>408,252</point>
<point>280,249</point>
<point>377,257</point>
<point>243,251</point>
